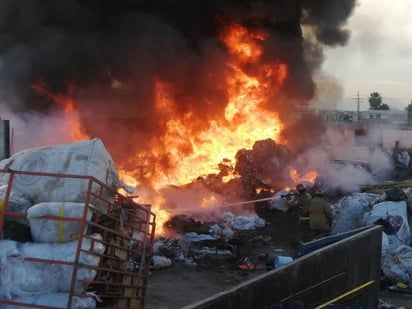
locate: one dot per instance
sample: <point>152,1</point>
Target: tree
<point>375,102</point>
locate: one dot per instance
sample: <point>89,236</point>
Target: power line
<point>358,101</point>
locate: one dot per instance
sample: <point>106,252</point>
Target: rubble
<point>351,211</point>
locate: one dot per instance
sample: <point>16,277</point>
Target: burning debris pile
<point>265,166</point>
<point>200,240</point>
<point>387,204</point>
<point>172,88</point>
<point>176,90</point>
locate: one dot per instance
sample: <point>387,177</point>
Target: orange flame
<point>66,101</point>
<point>245,121</point>
<point>297,177</point>
<point>242,44</point>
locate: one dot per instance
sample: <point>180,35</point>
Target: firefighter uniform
<point>320,216</point>
<point>300,202</point>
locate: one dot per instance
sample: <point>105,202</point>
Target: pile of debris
<point>200,240</point>
<point>387,204</point>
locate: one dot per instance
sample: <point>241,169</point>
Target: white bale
<point>16,203</point>
<point>20,277</point>
<point>384,210</point>
<point>350,211</point>
<point>244,223</point>
<point>87,158</point>
<point>55,300</point>
<point>397,265</point>
<point>161,262</point>
<point>51,230</point>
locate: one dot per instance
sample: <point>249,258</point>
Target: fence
<point>103,262</point>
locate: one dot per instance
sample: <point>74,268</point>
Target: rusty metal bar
<point>140,219</point>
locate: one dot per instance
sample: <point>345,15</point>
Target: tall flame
<point>195,153</point>
<point>244,122</point>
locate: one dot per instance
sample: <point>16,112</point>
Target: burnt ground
<point>180,284</point>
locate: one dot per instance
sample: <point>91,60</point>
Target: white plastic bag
<point>350,211</point>
<point>387,209</point>
<point>244,223</point>
<point>55,300</point>
<point>86,158</point>
<point>397,265</point>
<point>51,230</point>
<point>22,277</point>
<point>17,203</point>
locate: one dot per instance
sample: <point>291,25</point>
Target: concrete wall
<point>314,278</point>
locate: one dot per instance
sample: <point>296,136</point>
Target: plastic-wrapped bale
<point>86,158</point>
<point>350,211</point>
<point>15,227</point>
<point>55,300</point>
<point>393,216</point>
<point>54,230</point>
<point>17,203</point>
<point>397,265</point>
<point>20,277</point>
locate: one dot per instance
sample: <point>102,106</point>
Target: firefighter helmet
<point>300,187</point>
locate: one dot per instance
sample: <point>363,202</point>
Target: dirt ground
<point>180,285</point>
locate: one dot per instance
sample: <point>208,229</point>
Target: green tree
<point>375,102</point>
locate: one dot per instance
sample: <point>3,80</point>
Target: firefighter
<point>320,215</point>
<point>300,202</point>
<point>301,199</point>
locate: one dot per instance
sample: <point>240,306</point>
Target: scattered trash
<point>243,223</point>
<point>246,264</point>
<point>161,262</point>
<point>384,304</point>
<point>277,261</point>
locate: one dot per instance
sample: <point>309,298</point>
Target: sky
<point>378,56</point>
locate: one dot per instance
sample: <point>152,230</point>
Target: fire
<point>71,116</point>
<point>242,44</point>
<point>244,122</point>
<point>190,152</point>
<point>297,177</point>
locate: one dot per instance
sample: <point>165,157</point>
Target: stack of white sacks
<point>47,283</point>
<point>362,209</point>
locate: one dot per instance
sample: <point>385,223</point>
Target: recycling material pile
<point>215,242</point>
<point>389,206</point>
<point>31,237</point>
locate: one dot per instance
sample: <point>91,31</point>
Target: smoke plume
<point>108,55</point>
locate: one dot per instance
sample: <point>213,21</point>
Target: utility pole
<point>358,100</point>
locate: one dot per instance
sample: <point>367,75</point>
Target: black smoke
<point>111,53</point>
